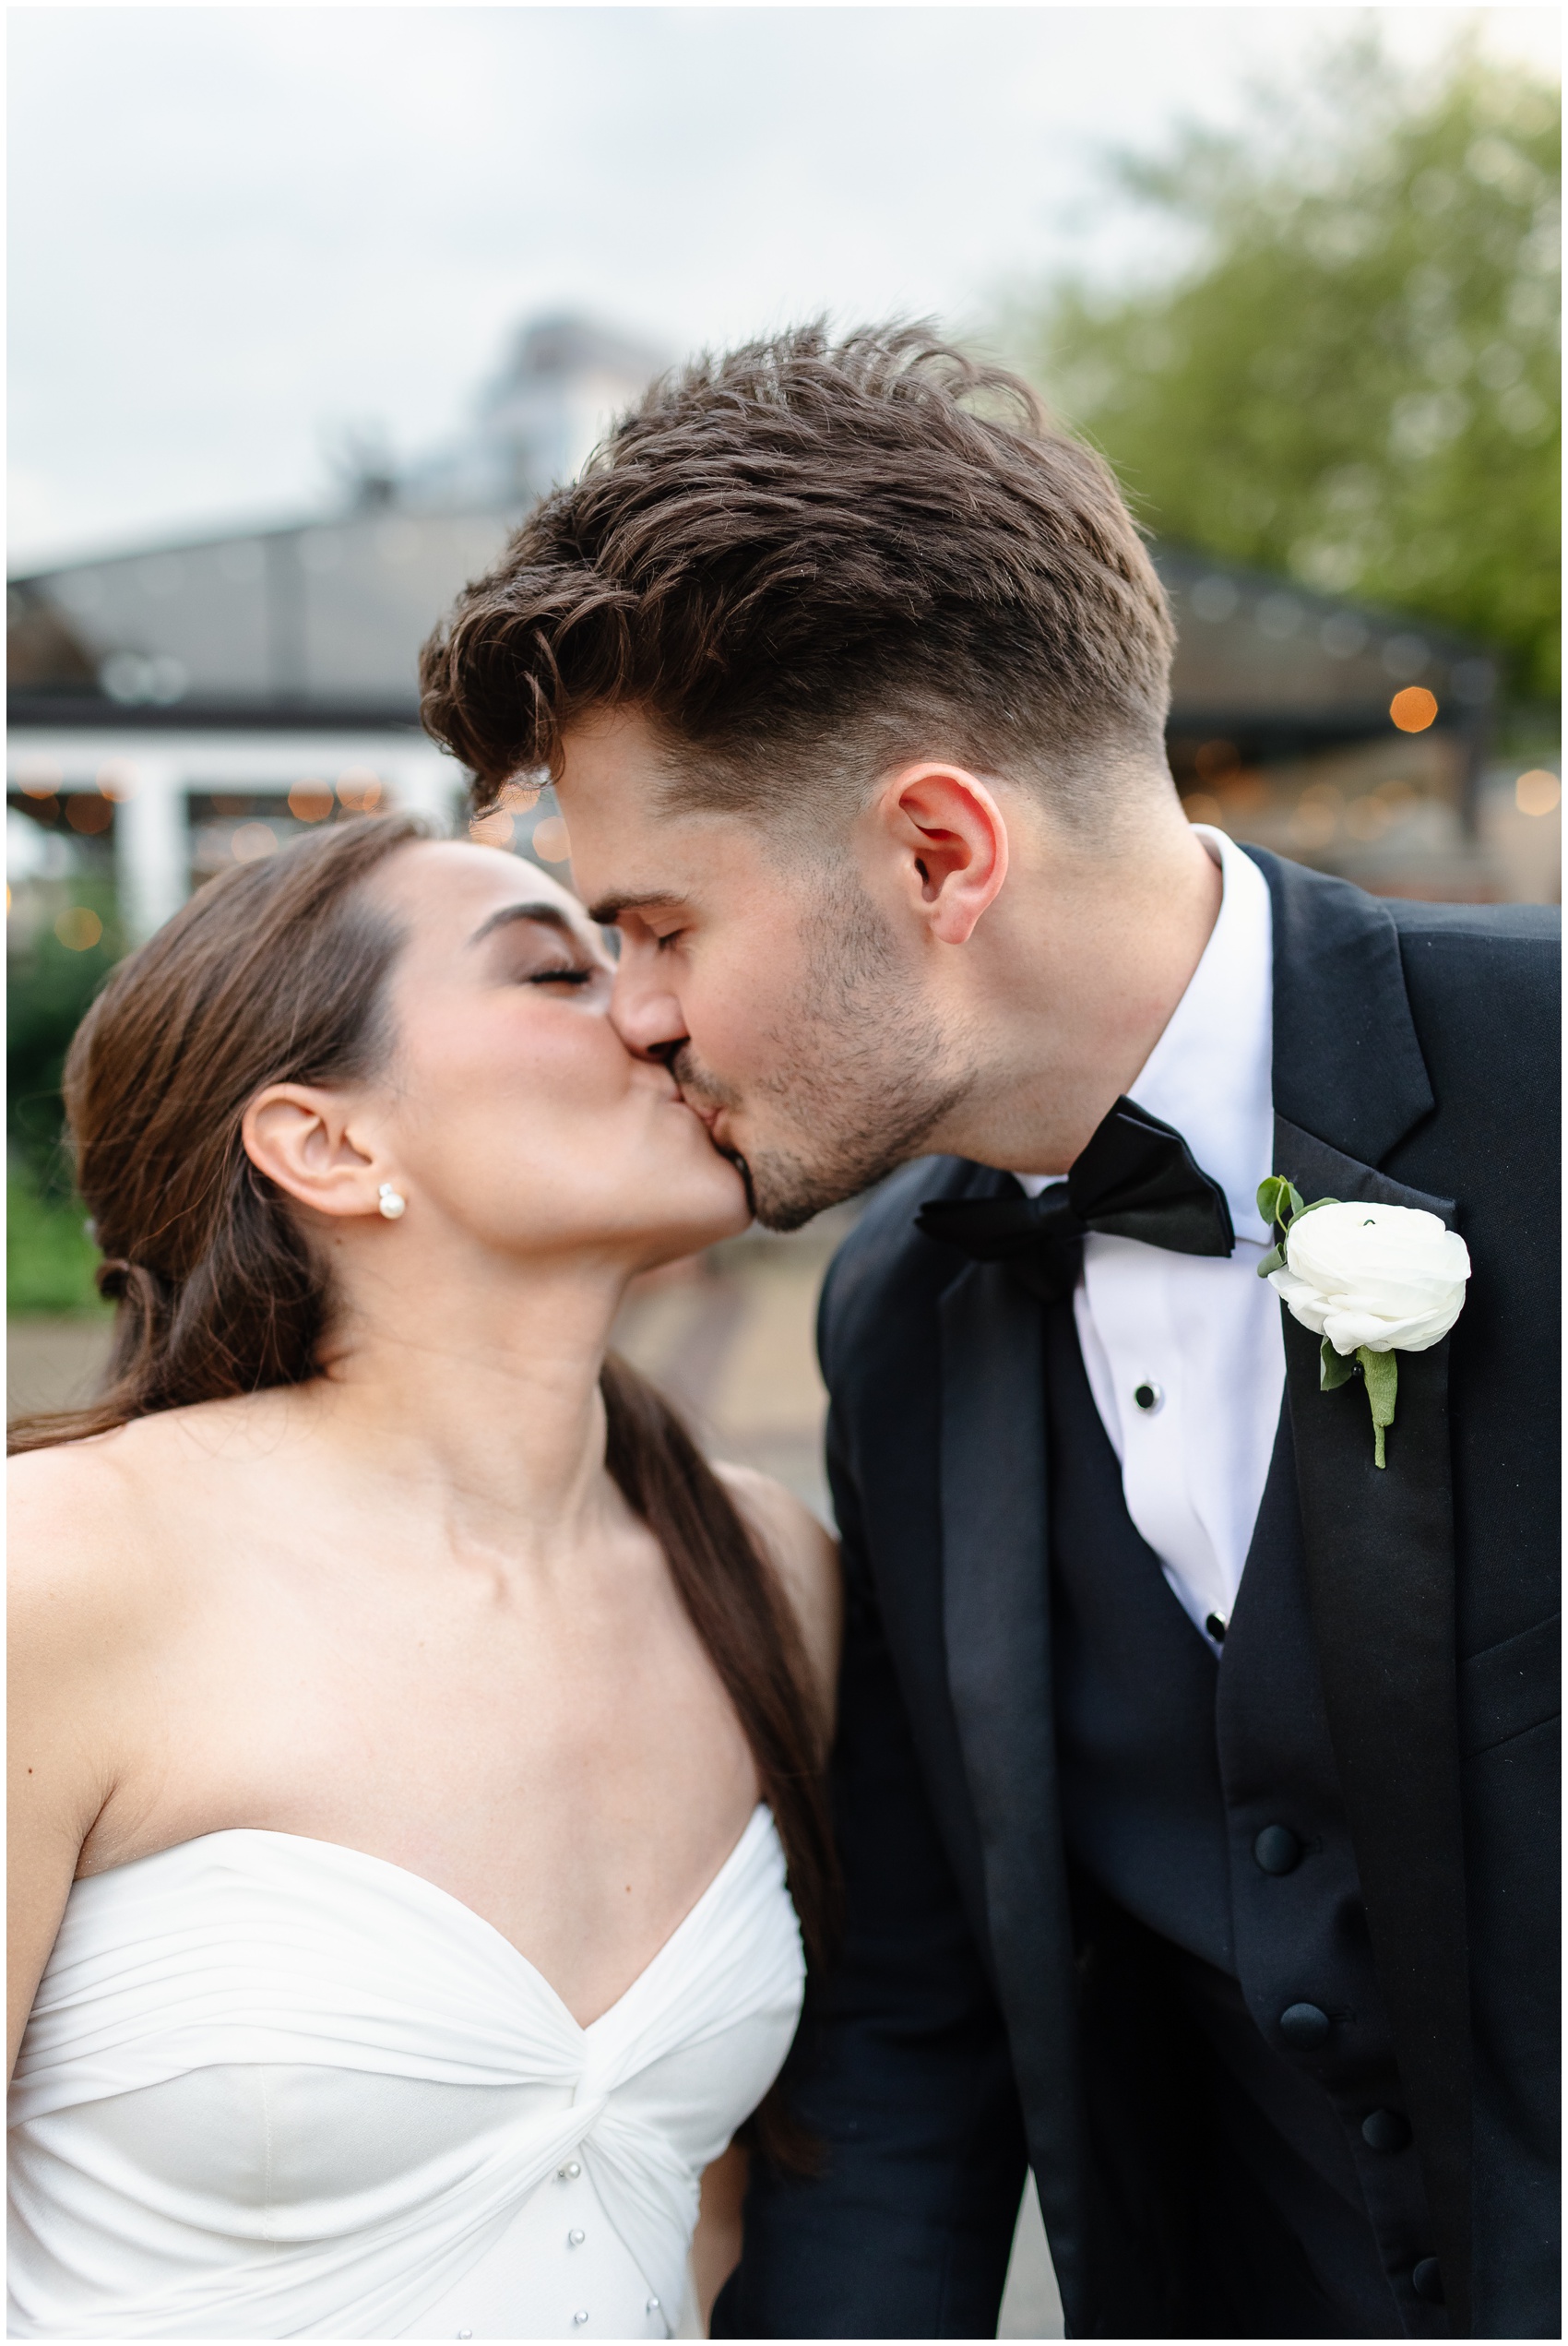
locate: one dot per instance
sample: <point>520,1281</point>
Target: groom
<point>1197,1774</point>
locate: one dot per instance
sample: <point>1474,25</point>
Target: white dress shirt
<point>1200,1333</point>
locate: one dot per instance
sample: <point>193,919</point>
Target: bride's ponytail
<point>744,1620</point>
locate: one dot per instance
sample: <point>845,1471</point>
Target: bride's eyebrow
<point>548,916</point>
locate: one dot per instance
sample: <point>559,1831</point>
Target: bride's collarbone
<point>554,1750</point>
<point>517,1761</point>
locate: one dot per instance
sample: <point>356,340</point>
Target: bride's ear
<point>299,1138</point>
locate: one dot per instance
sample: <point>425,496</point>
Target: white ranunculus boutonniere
<point>1372,1281</point>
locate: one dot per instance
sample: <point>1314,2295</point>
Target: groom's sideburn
<point>1063,1943</point>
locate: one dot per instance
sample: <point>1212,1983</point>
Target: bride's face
<point>510,1107</point>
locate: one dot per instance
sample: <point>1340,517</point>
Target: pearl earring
<point>389,1203</point>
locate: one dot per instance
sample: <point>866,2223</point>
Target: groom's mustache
<point>706,1096</point>
<point>703,1092</point>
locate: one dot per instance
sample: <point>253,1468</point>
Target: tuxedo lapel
<point>1348,1084</point>
<point>1347,1062</point>
<point>996,1620</point>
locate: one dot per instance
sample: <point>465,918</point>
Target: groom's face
<point>783,995</point>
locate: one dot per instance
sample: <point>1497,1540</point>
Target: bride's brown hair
<point>277,974</point>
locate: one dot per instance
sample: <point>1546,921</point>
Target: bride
<point>415,1744</point>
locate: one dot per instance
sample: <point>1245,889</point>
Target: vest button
<point>1427,2282</point>
<point>1385,2130</point>
<point>1303,2027</point>
<point>1277,1850</point>
<point>1149,1396</point>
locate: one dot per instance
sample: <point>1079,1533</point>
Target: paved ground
<point>51,1363</point>
<point>729,1337</point>
<point>1031,2307</point>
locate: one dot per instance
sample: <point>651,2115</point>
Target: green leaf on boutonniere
<point>1280,1204</point>
<point>1278,1201</point>
<point>1382,1373</point>
<point>1334,1368</point>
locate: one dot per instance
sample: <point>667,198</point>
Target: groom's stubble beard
<point>863,1080</point>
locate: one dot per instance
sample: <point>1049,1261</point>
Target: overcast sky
<point>236,231</point>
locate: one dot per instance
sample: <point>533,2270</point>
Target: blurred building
<point>177,706</point>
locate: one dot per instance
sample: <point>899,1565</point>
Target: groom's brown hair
<point>807,558</point>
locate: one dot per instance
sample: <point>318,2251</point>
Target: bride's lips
<point>708,1116</point>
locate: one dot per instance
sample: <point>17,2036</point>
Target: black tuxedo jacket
<point>1414,1064</point>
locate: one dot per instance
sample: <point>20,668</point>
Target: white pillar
<point>431,785</point>
<point>152,849</point>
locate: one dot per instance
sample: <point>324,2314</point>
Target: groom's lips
<point>708,1114</point>
<point>713,1118</point>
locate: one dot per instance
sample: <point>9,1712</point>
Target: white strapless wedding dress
<point>273,2088</point>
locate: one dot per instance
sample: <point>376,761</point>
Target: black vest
<point>1202,1806</point>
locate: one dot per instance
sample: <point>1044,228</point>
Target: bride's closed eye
<point>564,976</point>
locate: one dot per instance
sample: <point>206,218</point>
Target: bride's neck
<point>477,1386</point>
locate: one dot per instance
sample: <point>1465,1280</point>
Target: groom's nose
<point>644,1010</point>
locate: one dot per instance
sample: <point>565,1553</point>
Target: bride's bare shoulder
<point>806,1557</point>
<point>87,1588</point>
<point>76,1516</point>
<point>92,1517</point>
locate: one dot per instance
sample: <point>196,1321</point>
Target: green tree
<point>49,989</point>
<point>48,1260</point>
<point>1352,378</point>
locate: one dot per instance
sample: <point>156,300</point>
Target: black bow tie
<point>1134,1179</point>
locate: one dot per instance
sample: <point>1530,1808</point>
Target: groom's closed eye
<point>644,914</point>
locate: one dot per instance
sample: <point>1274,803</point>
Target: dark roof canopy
<point>324,622</point>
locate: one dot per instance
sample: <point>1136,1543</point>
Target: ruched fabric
<point>274,2088</point>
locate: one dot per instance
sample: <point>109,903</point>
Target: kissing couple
<point>460,1836</point>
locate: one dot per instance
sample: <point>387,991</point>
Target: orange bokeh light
<point>360,790</point>
<point>311,801</point>
<point>1413,709</point>
<point>88,814</point>
<point>79,929</point>
<point>1537,793</point>
<point>493,830</point>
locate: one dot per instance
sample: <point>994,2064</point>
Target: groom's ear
<point>949,843</point>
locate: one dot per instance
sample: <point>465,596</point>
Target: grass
<point>50,1261</point>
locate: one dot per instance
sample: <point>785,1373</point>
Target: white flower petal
<point>1303,1302</point>
<point>1390,1278</point>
